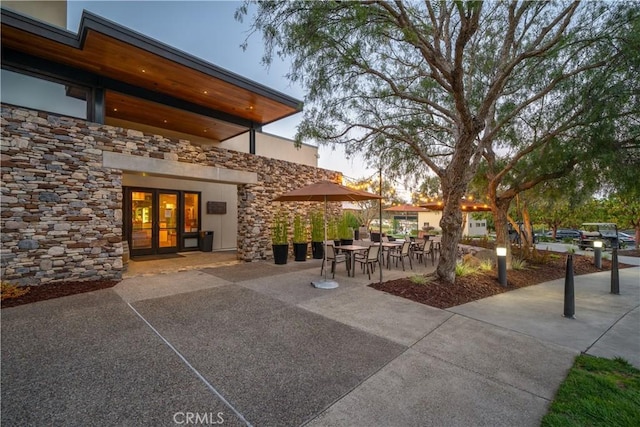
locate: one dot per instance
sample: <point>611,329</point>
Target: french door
<point>153,219</point>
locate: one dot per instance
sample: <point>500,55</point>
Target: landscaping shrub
<point>478,241</point>
<point>518,264</point>
<point>9,291</point>
<point>299,229</point>
<point>317,226</point>
<point>419,279</point>
<point>532,255</point>
<point>464,269</point>
<point>486,265</point>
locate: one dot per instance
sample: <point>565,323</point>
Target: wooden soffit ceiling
<point>121,106</point>
<point>107,49</point>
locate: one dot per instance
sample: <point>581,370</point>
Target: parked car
<point>606,232</point>
<point>626,239</point>
<point>564,233</point>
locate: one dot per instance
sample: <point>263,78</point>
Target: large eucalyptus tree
<point>580,130</point>
<point>421,85</point>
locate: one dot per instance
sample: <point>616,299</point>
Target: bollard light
<point>597,257</point>
<point>502,266</point>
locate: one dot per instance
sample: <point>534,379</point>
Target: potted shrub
<point>332,231</point>
<point>345,232</point>
<point>317,234</point>
<point>299,238</point>
<point>280,238</point>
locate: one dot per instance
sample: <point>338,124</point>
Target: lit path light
<point>597,256</point>
<point>502,266</point>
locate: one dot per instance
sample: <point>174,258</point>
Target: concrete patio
<point>255,344</point>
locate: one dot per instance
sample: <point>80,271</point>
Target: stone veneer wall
<point>61,210</point>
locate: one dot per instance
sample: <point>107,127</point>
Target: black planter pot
<point>317,249</point>
<point>300,251</point>
<point>346,241</point>
<point>280,253</point>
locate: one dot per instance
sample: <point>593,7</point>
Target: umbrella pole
<point>380,252</point>
<point>325,284</point>
<point>324,252</point>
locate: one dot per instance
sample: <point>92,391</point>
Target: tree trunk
<point>528,231</point>
<point>451,224</point>
<point>499,208</point>
<point>454,181</point>
<point>514,226</point>
<point>501,221</point>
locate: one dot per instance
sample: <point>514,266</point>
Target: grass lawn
<point>597,392</point>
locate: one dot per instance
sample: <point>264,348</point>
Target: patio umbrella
<point>325,191</point>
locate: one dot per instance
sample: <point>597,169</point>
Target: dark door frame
<point>155,227</point>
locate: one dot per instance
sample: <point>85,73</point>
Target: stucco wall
<point>62,209</point>
<point>274,147</point>
<point>432,217</point>
<point>53,12</point>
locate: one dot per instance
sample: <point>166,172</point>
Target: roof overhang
<point>130,59</point>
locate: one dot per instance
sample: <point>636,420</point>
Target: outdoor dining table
<point>350,250</point>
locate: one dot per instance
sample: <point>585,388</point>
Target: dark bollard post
<point>615,277</point>
<point>502,266</point>
<point>597,254</point>
<point>569,293</point>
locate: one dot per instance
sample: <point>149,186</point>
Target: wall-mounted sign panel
<point>217,208</point>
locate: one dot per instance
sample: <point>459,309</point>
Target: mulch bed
<point>439,294</point>
<point>57,290</point>
<point>435,293</point>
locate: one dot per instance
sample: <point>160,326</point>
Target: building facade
<point>111,139</point>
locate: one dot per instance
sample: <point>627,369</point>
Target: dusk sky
<point>208,30</point>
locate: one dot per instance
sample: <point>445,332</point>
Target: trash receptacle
<point>206,241</point>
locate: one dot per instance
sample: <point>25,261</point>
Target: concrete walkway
<point>256,344</point>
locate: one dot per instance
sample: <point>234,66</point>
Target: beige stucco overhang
<point>174,169</point>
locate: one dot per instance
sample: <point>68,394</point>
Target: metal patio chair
<point>334,258</point>
<point>401,255</point>
<point>369,259</point>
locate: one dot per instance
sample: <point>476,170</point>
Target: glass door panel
<point>168,220</point>
<point>191,221</point>
<point>155,220</point>
<point>191,211</point>
<point>141,220</point>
